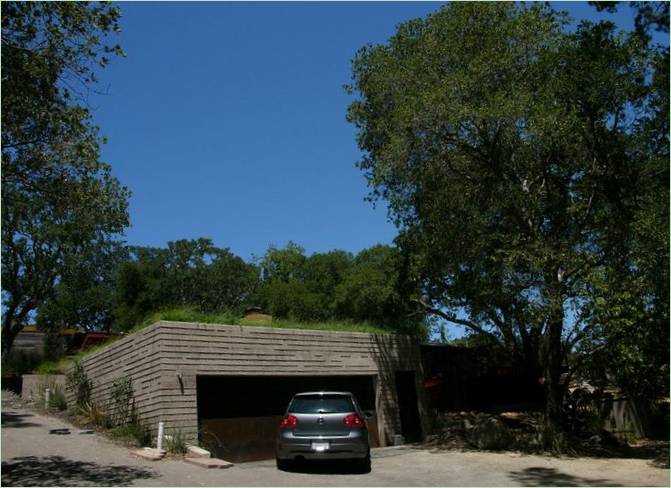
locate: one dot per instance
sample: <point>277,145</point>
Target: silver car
<point>323,425</point>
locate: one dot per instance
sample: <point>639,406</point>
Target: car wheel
<point>283,464</point>
<point>363,465</point>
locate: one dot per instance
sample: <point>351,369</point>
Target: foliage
<point>61,206</point>
<point>336,285</point>
<point>48,367</point>
<point>191,315</point>
<point>123,401</point>
<point>79,384</point>
<point>83,297</point>
<point>189,273</point>
<point>515,167</point>
<point>20,362</point>
<point>95,414</point>
<point>134,433</point>
<point>175,442</point>
<point>57,399</point>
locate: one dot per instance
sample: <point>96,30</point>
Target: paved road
<point>33,457</point>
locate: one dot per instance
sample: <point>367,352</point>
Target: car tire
<point>283,464</point>
<point>364,465</point>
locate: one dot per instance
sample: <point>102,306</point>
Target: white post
<point>47,397</point>
<point>159,440</point>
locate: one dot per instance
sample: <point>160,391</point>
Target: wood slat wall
<point>165,359</point>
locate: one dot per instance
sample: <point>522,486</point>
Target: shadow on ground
<point>655,452</point>
<point>554,477</point>
<point>59,471</point>
<point>326,467</point>
<point>12,419</point>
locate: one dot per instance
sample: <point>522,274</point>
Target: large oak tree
<point>61,206</point>
<point>523,163</point>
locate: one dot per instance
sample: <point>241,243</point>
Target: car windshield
<point>321,404</point>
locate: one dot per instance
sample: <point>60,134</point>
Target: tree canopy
<point>61,206</point>
<point>524,164</point>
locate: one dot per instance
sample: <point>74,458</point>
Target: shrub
<point>123,401</point>
<point>78,382</point>
<point>57,399</point>
<point>132,433</point>
<point>95,415</point>
<point>175,443</point>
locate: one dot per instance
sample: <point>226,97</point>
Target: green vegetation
<point>134,434</point>
<point>79,384</point>
<point>62,209</point>
<point>57,399</point>
<point>531,197</point>
<point>175,442</point>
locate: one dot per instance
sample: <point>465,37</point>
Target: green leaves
<point>62,208</point>
<point>515,156</point>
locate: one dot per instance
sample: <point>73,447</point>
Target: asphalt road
<point>33,457</point>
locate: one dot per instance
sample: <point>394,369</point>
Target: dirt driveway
<point>33,457</point>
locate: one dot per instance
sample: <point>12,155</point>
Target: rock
<point>491,433</point>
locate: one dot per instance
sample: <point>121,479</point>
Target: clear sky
<point>227,121</point>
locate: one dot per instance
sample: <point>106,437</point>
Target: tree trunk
<point>9,333</point>
<point>553,361</point>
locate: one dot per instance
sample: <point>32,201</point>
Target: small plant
<point>95,415</point>
<point>123,401</point>
<point>175,443</point>
<point>133,433</point>
<point>78,382</point>
<point>57,399</point>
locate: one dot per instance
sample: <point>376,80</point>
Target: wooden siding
<point>165,359</point>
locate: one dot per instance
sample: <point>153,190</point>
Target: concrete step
<point>195,451</point>
<point>211,463</point>
<point>149,453</point>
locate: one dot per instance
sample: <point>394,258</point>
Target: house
<point>227,386</point>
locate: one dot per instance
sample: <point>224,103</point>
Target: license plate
<point>320,446</point>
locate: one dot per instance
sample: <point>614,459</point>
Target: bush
<point>48,367</point>
<point>57,399</point>
<point>95,415</point>
<point>175,443</point>
<point>78,382</point>
<point>123,401</point>
<point>133,433</point>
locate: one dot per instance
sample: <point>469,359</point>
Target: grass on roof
<point>185,314</point>
<point>191,315</point>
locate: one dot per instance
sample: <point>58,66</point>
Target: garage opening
<point>238,416</point>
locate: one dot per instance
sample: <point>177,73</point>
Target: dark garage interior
<point>238,416</point>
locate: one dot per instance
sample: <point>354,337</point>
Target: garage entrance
<point>238,416</point>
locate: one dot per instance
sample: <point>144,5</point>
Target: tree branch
<point>451,318</point>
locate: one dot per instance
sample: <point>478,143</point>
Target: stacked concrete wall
<point>165,359</point>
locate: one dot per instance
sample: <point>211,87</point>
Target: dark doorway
<point>238,415</point>
<point>406,391</point>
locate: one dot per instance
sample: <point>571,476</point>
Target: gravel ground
<point>33,457</point>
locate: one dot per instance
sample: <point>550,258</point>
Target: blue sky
<point>227,121</point>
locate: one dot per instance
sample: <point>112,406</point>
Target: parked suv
<point>323,425</point>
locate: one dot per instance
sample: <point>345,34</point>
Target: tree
<point>61,206</point>
<point>513,155</point>
<point>83,296</point>
<point>371,291</point>
<point>298,286</point>
<point>188,273</point>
